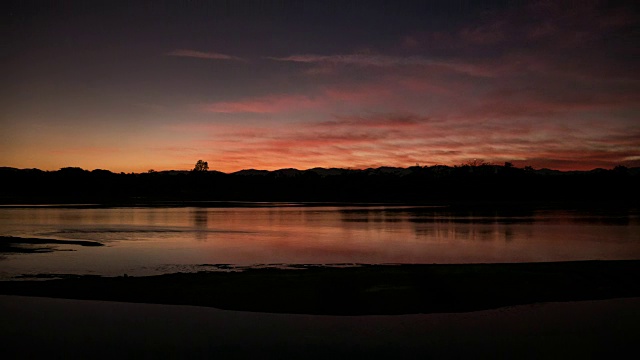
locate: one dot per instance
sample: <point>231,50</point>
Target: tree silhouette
<point>201,166</point>
<point>476,163</point>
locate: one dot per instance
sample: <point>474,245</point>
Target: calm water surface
<point>151,240</point>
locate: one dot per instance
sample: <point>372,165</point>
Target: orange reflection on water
<point>143,239</point>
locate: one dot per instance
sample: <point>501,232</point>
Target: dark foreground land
<point>46,328</point>
<point>362,290</point>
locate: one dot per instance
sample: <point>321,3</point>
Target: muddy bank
<point>15,244</point>
<point>362,290</point>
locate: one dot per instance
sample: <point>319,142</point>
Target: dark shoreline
<point>362,290</point>
<point>80,329</point>
<point>465,185</point>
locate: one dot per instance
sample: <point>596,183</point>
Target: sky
<point>130,86</point>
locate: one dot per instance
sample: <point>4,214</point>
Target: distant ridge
<point>339,171</point>
<point>416,184</point>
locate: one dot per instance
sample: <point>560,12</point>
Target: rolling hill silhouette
<point>416,184</point>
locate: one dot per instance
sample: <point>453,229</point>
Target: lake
<point>154,240</point>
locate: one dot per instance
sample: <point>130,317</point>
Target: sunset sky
<point>138,85</point>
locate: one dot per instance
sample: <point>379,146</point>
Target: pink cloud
<point>406,139</point>
<point>508,103</point>
<point>539,97</point>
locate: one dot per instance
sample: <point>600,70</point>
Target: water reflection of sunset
<point>144,239</point>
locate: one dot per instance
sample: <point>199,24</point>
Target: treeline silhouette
<point>426,185</point>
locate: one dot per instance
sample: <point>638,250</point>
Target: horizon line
<point>325,168</point>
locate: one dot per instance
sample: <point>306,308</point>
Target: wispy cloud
<point>265,105</point>
<point>403,139</point>
<point>357,59</point>
<point>204,55</point>
<point>389,61</point>
<point>378,121</point>
<point>325,100</point>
